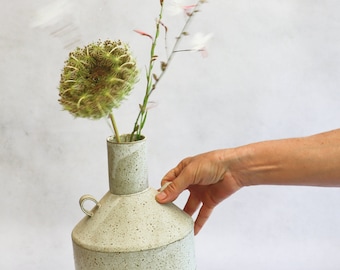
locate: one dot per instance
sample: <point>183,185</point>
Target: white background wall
<point>272,72</point>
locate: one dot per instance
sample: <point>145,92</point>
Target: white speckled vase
<point>127,228</point>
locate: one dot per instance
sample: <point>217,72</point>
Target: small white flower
<point>178,7</point>
<point>199,41</point>
<point>175,8</point>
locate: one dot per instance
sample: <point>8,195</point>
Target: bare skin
<point>213,176</point>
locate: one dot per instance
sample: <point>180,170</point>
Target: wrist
<point>235,163</point>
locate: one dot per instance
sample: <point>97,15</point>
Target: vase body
<point>128,228</point>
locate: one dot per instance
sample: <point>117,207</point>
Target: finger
<point>202,218</point>
<point>179,182</point>
<point>171,192</point>
<point>169,177</point>
<point>173,173</point>
<point>192,205</point>
<point>164,186</point>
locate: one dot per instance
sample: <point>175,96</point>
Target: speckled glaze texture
<point>127,166</point>
<point>128,229</point>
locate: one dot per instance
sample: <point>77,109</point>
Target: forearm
<point>310,161</point>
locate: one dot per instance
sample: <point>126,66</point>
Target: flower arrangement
<point>96,78</point>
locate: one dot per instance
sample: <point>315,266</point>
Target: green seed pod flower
<point>96,78</point>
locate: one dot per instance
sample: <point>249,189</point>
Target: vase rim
<point>125,139</point>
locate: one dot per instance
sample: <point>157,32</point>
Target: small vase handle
<point>86,198</point>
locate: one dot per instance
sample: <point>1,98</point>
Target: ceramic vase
<point>128,228</point>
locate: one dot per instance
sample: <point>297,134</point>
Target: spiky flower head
<point>96,78</point>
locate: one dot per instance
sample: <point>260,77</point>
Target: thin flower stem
<point>184,50</point>
<point>141,118</point>
<point>151,81</point>
<point>174,49</point>
<point>115,127</point>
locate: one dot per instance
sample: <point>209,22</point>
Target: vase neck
<point>127,166</point>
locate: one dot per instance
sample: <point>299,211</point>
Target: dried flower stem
<point>115,128</point>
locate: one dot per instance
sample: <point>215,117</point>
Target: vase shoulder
<point>132,222</point>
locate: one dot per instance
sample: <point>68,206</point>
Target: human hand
<point>209,180</point>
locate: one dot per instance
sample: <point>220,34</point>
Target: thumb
<point>162,196</point>
<point>170,191</point>
<point>172,184</point>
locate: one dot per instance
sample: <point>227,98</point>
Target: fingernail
<point>161,196</point>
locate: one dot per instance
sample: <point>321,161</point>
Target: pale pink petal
<point>199,41</point>
<point>143,33</point>
<point>178,7</point>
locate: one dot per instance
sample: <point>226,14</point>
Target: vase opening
<point>126,138</point>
